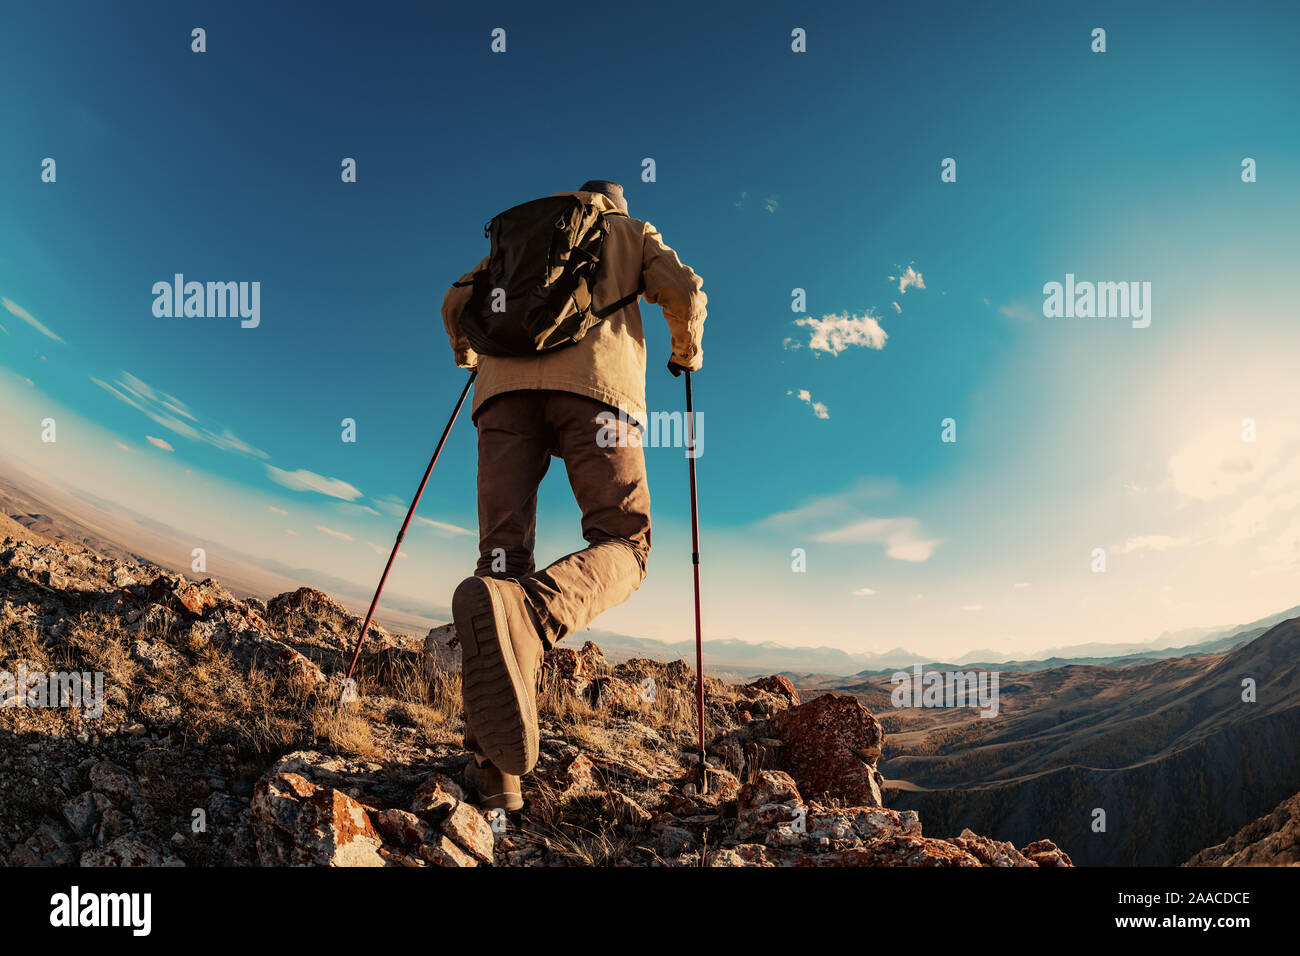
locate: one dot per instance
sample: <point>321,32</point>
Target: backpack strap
<point>621,303</point>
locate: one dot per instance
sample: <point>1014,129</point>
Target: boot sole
<point>497,700</point>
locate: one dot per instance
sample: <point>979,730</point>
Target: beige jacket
<point>609,363</point>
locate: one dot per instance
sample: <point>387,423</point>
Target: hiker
<point>531,405</point>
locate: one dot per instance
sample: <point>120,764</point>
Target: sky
<point>1170,447</point>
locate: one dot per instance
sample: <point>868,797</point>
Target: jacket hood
<point>599,200</point>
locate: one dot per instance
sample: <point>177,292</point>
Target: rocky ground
<point>220,745</point>
<point>1272,840</point>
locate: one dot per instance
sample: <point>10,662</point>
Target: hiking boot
<point>496,790</point>
<point>501,665</point>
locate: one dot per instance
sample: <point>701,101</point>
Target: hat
<point>613,190</point>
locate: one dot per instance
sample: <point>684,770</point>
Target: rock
<point>441,851</point>
<point>156,656</point>
<point>83,812</point>
<point>830,746</point>
<point>672,842</point>
<point>769,786</point>
<point>128,850</point>
<point>46,847</point>
<point>111,780</point>
<point>624,808</point>
<point>1271,840</point>
<point>777,685</point>
<point>298,823</point>
<point>990,852</point>
<point>891,851</point>
<point>437,794</point>
<point>1047,853</point>
<point>768,803</point>
<point>468,828</point>
<point>402,827</point>
<point>612,693</point>
<point>306,601</point>
<point>573,775</point>
<point>441,652</point>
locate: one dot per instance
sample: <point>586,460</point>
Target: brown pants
<point>518,433</point>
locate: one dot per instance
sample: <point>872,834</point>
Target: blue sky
<point>775,171</point>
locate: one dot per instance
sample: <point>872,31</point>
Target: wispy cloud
<point>771,202</point>
<point>443,526</point>
<point>836,333</point>
<point>908,279</point>
<point>158,443</point>
<point>832,509</point>
<point>279,511</point>
<point>819,409</point>
<point>17,310</point>
<point>1017,311</point>
<point>901,537</point>
<point>864,592</point>
<point>1153,542</point>
<point>333,534</point>
<point>304,480</point>
<point>173,414</point>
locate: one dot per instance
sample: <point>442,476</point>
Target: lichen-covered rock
<point>301,824</point>
<point>830,746</point>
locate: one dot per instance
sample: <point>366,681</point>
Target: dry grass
<point>260,710</point>
<point>575,830</point>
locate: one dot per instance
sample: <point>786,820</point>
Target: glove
<point>676,369</point>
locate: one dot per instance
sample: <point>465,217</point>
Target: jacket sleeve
<point>453,303</point>
<point>676,289</point>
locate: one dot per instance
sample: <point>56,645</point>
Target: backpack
<point>535,293</point>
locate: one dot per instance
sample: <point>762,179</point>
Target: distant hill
<point>1167,749</point>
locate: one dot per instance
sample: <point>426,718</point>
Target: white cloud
<point>291,531</point>
<point>1153,542</point>
<point>897,308</point>
<point>333,534</point>
<point>447,528</point>
<point>900,536</point>
<point>304,480</point>
<point>864,592</point>
<point>819,409</point>
<point>1021,584</point>
<point>158,443</point>
<point>1017,311</point>
<point>171,413</point>
<point>122,445</point>
<point>17,310</point>
<point>910,278</point>
<point>835,333</point>
<point>771,202</point>
<point>279,511</point>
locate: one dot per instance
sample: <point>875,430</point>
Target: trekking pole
<point>695,565</point>
<point>349,686</point>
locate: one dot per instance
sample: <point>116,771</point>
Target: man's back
<point>609,363</point>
